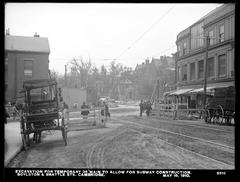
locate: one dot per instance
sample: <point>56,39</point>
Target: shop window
<point>222,66</point>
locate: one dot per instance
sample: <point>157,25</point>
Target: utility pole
<point>65,76</point>
<point>205,73</point>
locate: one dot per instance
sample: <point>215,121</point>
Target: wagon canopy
<point>33,84</point>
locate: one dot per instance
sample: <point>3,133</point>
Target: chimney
<point>36,35</point>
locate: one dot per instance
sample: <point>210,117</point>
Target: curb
<point>6,162</point>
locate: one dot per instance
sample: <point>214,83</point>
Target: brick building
<point>26,58</point>
<point>219,25</point>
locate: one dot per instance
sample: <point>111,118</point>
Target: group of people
<point>145,106</point>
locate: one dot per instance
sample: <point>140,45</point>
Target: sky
<point>127,33</point>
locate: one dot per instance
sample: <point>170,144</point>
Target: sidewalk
<point>13,141</point>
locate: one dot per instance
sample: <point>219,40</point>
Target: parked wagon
<point>221,107</point>
<point>41,110</point>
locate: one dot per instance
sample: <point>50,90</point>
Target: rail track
<point>216,145</point>
<point>204,126</point>
<point>182,148</point>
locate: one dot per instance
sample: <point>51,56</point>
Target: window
<point>184,48</point>
<point>28,68</point>
<point>221,33</point>
<point>200,69</point>
<point>192,71</point>
<point>196,33</point>
<point>184,72</point>
<point>210,67</point>
<point>222,66</point>
<point>179,74</point>
<point>178,49</point>
<point>210,34</point>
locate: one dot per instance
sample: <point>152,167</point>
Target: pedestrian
<point>141,105</point>
<point>66,113</point>
<point>85,110</point>
<point>149,108</point>
<point>105,112</point>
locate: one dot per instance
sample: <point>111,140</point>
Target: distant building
<point>26,58</point>
<point>74,96</point>
<point>219,25</point>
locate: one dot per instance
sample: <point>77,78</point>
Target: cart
<point>41,110</point>
<point>221,107</point>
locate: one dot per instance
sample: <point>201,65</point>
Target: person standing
<point>84,111</point>
<point>149,108</point>
<point>65,113</point>
<point>141,107</point>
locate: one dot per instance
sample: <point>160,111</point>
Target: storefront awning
<point>180,91</point>
<point>210,88</point>
<point>169,92</point>
<point>200,90</point>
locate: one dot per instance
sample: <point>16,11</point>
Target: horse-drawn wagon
<point>221,107</point>
<point>41,110</point>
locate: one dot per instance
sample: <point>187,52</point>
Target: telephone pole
<point>65,76</point>
<point>205,74</point>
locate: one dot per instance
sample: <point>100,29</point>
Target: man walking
<point>141,107</point>
<point>149,108</point>
<point>66,112</point>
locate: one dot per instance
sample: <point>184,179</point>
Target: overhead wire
<point>142,35</point>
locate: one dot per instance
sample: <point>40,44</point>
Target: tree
<point>82,69</point>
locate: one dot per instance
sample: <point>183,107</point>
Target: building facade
<point>219,25</point>
<point>26,58</point>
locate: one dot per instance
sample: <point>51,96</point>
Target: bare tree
<point>83,69</point>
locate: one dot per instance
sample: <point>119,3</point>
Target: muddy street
<point>128,141</point>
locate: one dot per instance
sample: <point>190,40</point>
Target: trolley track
<point>180,134</point>
<point>195,153</point>
<point>223,149</point>
<point>186,123</point>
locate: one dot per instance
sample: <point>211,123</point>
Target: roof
<point>29,44</point>
<point>219,8</point>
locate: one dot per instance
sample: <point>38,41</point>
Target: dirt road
<point>133,142</point>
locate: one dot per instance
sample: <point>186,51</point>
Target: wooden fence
<point>177,111</point>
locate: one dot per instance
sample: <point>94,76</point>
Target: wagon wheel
<point>215,116</point>
<point>229,115</point>
<point>220,114</point>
